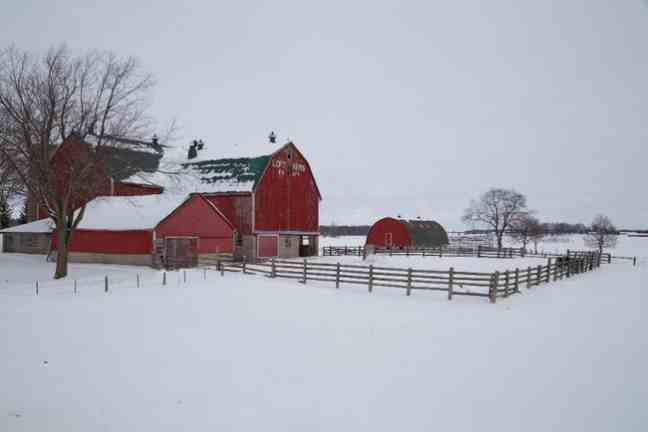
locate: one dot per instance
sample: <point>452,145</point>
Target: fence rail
<point>453,282</point>
<point>452,251</point>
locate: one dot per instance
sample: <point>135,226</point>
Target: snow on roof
<point>207,176</point>
<point>36,227</point>
<point>117,213</point>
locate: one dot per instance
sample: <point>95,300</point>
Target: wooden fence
<point>450,251</point>
<point>452,282</point>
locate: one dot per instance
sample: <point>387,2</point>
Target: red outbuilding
<point>158,230</point>
<point>401,233</point>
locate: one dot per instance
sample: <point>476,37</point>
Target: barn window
<point>305,241</point>
<point>289,154</point>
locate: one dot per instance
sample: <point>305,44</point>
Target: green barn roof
<point>230,174</point>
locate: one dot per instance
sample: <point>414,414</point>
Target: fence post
<point>506,283</point>
<point>164,278</point>
<point>370,277</point>
<point>478,251</point>
<point>567,253</point>
<point>305,271</point>
<point>184,276</point>
<point>273,268</point>
<point>450,283</point>
<point>346,250</point>
<point>609,258</point>
<point>409,281</point>
<point>492,294</point>
<point>337,276</point>
<point>106,281</point>
<point>634,261</point>
<point>538,277</point>
<point>529,277</point>
<point>221,264</point>
<point>36,287</point>
<point>138,283</point>
<point>548,270</point>
<point>517,280</point>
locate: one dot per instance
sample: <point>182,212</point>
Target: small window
<point>305,241</point>
<point>289,154</point>
<point>287,242</point>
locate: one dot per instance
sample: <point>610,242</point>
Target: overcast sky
<point>401,107</point>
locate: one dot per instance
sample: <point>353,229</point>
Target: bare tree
<point>497,209</point>
<point>602,234</point>
<point>527,229</point>
<point>46,99</point>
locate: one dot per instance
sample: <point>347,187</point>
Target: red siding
<point>236,208</point>
<point>197,218</point>
<point>109,242</point>
<point>379,231</point>
<point>287,198</point>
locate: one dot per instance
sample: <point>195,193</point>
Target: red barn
<point>259,207</point>
<point>122,158</point>
<point>272,201</point>
<point>400,233</point>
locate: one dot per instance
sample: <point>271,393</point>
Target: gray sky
<point>401,107</point>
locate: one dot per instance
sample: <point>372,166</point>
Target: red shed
<point>399,233</point>
<point>170,230</point>
<point>272,201</point>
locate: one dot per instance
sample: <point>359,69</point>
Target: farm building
<point>122,158</point>
<point>272,201</point>
<point>153,230</point>
<point>253,208</point>
<point>400,233</point>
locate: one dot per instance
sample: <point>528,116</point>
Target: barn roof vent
<point>272,137</point>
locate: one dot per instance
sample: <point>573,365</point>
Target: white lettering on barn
<point>296,169</point>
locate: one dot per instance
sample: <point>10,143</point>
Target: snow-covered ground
<point>248,353</point>
<point>626,246</point>
<point>471,264</point>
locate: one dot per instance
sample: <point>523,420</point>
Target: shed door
<point>268,246</point>
<point>181,252</point>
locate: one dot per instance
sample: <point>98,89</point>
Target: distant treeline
<point>344,230</point>
<point>550,228</point>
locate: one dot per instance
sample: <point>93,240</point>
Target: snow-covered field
<point>626,246</point>
<point>248,353</point>
<point>472,264</point>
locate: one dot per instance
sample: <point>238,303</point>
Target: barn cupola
<point>194,148</point>
<point>272,137</point>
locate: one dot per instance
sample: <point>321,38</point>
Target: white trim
<point>253,210</point>
<point>308,233</point>
<point>266,235</point>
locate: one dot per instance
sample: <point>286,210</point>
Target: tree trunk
<point>62,255</point>
<point>499,240</point>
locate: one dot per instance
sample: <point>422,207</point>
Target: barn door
<point>389,240</point>
<point>181,252</point>
<point>268,246</point>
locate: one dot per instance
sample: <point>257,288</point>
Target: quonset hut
<point>401,233</point>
